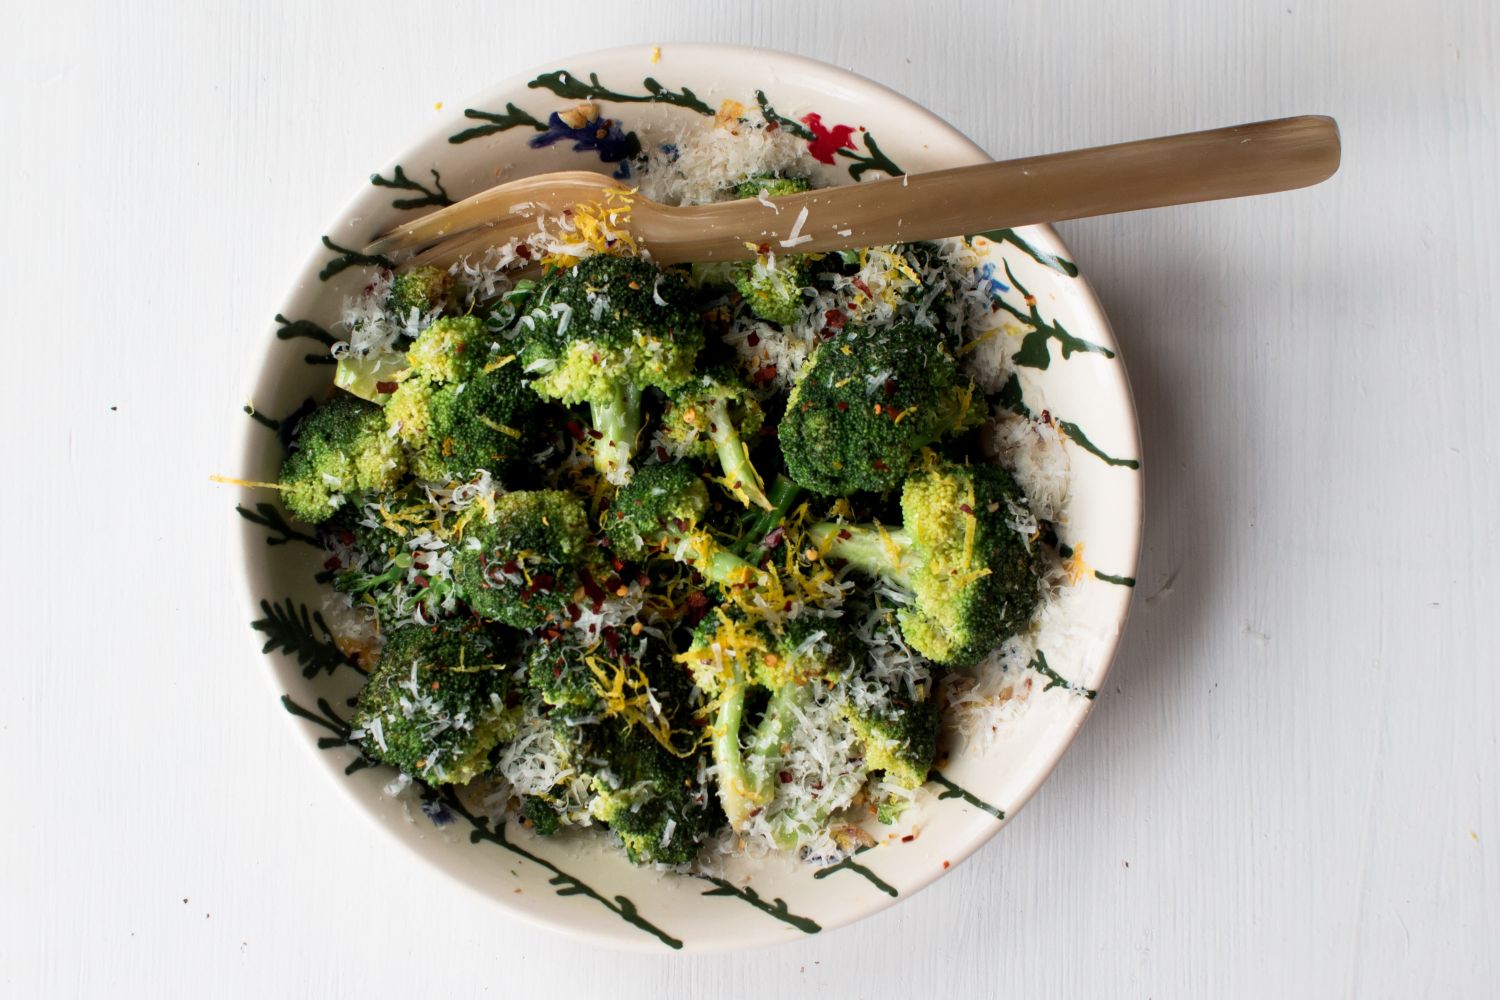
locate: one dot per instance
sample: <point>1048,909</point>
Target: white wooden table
<point>1289,788</point>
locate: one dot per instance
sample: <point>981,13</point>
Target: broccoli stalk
<point>711,416</point>
<point>659,512</point>
<point>616,415</point>
<point>728,659</point>
<point>973,578</point>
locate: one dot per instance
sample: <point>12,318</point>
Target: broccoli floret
<point>380,570</point>
<point>422,289</point>
<point>973,577</point>
<point>603,331</point>
<point>711,416</point>
<point>651,798</point>
<point>729,659</point>
<point>773,186</point>
<point>865,405</point>
<point>523,566</point>
<point>459,409</point>
<point>451,349</point>
<point>772,286</point>
<point>452,430</point>
<point>659,512</point>
<point>341,450</point>
<point>559,673</point>
<point>900,738</point>
<point>544,819</point>
<point>436,705</point>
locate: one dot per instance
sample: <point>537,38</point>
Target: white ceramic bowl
<point>584,886</point>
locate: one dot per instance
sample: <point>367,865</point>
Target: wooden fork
<point>1174,170</point>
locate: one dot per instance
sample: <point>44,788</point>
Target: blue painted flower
<point>988,279</point>
<point>591,134</point>
<point>436,811</point>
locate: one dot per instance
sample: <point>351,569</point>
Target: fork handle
<point>1232,162</point>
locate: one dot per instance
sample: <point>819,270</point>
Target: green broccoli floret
<point>341,451</point>
<point>559,673</point>
<point>772,285</point>
<point>651,798</point>
<point>773,186</point>
<point>866,404</point>
<point>544,819</point>
<point>460,408</point>
<point>422,289</point>
<point>600,333</point>
<point>711,416</point>
<point>379,569</point>
<point>900,738</point>
<point>729,659</point>
<point>523,566</point>
<point>436,705</point>
<point>973,577</point>
<point>659,512</point>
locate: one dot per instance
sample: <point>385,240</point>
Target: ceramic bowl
<point>1063,346</point>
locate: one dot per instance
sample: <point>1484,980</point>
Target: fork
<point>1233,162</point>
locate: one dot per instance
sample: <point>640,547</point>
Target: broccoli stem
<point>868,548</point>
<point>775,728</point>
<point>734,458</point>
<point>715,562</point>
<point>735,786</point>
<point>784,495</point>
<point>618,419</point>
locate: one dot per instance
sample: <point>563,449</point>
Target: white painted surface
<point>1290,786</point>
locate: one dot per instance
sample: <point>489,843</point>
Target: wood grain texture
<point>1289,787</point>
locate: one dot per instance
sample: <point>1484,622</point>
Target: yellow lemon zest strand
<point>251,483</point>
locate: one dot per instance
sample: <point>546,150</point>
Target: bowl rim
<point>1084,300</point>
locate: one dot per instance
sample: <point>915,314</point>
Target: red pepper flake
<point>966,508</point>
<point>595,357</point>
<point>643,579</point>
<point>877,409</point>
<point>764,248</point>
<point>385,387</point>
<point>864,288</point>
<point>697,607</point>
<point>612,641</point>
<point>345,536</point>
<point>593,590</point>
<point>511,567</point>
<point>774,537</point>
<point>945,866</point>
<point>753,340</point>
<point>1031,300</point>
<point>890,387</point>
<point>763,374</point>
<point>835,319</point>
<point>661,454</point>
<point>785,776</point>
<point>596,435</point>
<point>523,251</point>
<point>575,429</point>
<point>772,126</point>
<point>841,405</point>
<point>616,563</point>
<point>880,466</point>
<point>1046,417</point>
<point>908,838</point>
<point>574,611</point>
<point>332,562</point>
<point>549,633</point>
<point>422,582</point>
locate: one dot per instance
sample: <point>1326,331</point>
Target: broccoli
<point>711,415</point>
<point>522,567</point>
<point>659,511</point>
<point>341,448</point>
<point>380,569</point>
<point>457,410</point>
<point>973,577</point>
<point>866,404</point>
<point>773,186</point>
<point>603,331</point>
<point>728,660</point>
<point>900,738</point>
<point>436,705</point>
<point>617,720</point>
<point>772,286</point>
<point>422,289</point>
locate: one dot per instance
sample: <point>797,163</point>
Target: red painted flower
<point>827,141</point>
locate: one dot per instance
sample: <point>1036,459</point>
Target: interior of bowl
<point>1069,367</point>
